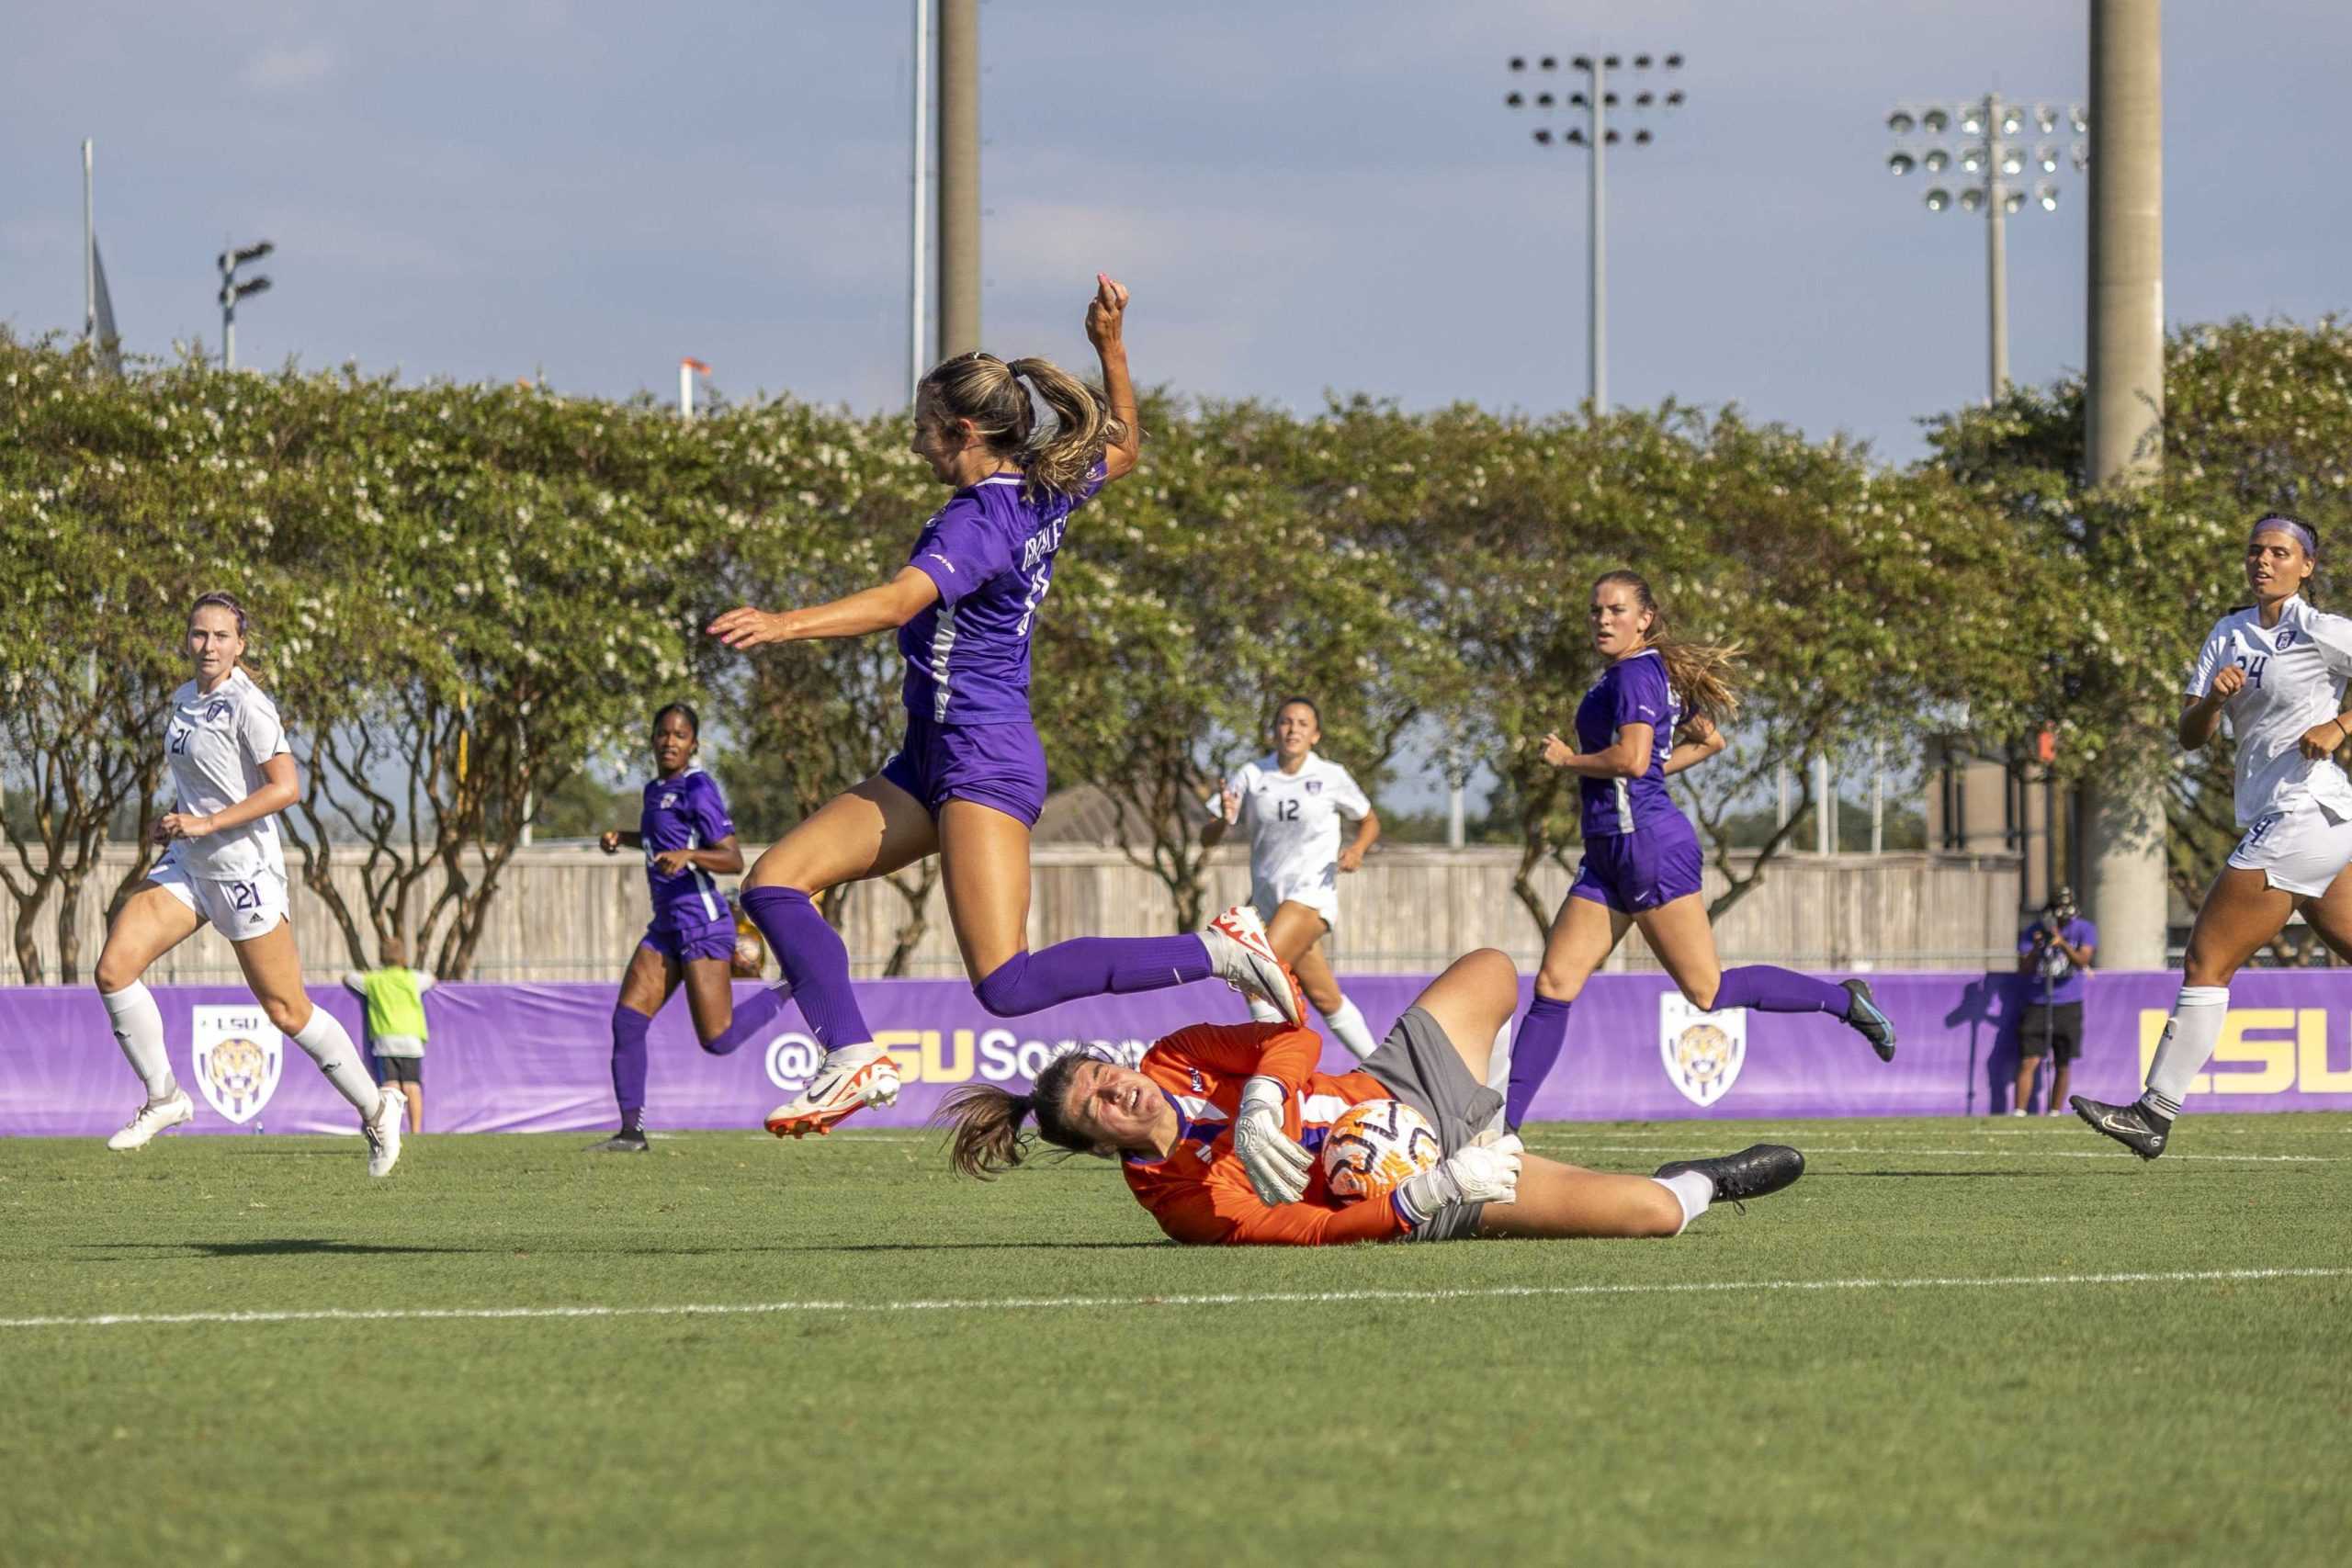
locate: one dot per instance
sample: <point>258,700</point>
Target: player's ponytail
<point>1704,675</point>
<point>988,393</point>
<point>984,1135</point>
<point>1082,427</point>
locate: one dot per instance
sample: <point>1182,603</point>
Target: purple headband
<point>2287,525</point>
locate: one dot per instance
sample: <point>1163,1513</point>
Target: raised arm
<point>1105,328</point>
<point>885,608</point>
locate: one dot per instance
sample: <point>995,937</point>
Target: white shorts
<point>240,909</point>
<point>2300,850</point>
<point>1324,901</point>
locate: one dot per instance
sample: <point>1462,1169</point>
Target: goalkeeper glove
<point>1276,1167</point>
<point>1485,1172</point>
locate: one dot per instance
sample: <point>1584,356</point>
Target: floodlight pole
<point>1996,253</point>
<point>1597,296</point>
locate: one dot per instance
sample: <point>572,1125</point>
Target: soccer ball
<point>1375,1147</point>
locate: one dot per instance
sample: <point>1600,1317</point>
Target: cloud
<point>285,67</point>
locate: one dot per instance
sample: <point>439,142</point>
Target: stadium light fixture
<point>233,288</point>
<point>1993,161</point>
<point>1597,104</point>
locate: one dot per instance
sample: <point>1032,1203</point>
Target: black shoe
<point>621,1143</point>
<point>1869,1022</point>
<point>2133,1125</point>
<point>1756,1171</point>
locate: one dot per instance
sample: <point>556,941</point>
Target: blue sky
<point>1304,196</point>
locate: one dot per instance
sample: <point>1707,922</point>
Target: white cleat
<point>853,1077</point>
<point>152,1118</point>
<point>1240,955</point>
<point>384,1131</point>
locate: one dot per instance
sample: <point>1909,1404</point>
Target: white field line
<point>1235,1298</point>
<point>1541,1144</point>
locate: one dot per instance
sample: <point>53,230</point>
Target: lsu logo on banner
<point>2285,1048</point>
<point>1702,1051</point>
<point>238,1055</point>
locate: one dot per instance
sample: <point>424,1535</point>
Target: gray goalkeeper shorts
<point>1419,1065</point>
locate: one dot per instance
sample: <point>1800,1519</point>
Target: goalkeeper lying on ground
<point>1217,1131</point>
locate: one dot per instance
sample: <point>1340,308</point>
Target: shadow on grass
<point>290,1246</point>
<point>1966,1175</point>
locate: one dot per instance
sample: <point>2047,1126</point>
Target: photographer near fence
<point>2055,954</point>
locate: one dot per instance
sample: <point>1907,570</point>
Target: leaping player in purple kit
<point>970,778</point>
<point>686,834</point>
<point>1641,861</point>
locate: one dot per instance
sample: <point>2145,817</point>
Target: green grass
<point>2065,1421</point>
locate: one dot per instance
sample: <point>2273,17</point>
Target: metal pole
<point>685,388</point>
<point>1781,778</point>
<point>1996,262</point>
<point>960,177</point>
<point>1596,331</point>
<point>1878,798</point>
<point>89,254</point>
<point>1824,809</point>
<point>2124,824</point>
<point>918,344</point>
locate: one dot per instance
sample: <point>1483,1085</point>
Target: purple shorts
<point>1640,870</point>
<point>709,939</point>
<point>998,766</point>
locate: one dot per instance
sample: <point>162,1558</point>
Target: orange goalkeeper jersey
<point>1199,1193</point>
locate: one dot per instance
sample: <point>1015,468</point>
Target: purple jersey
<point>685,812</point>
<point>991,549</point>
<point>1634,689</point>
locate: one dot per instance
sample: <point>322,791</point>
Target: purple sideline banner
<point>524,1058</point>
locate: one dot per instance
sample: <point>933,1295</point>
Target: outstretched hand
<point>747,627</point>
<point>1107,313</point>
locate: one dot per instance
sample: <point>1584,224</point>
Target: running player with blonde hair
<point>967,782</point>
<point>1656,710</point>
<point>231,774</point>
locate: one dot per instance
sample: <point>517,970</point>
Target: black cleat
<point>2133,1125</point>
<point>1869,1022</point>
<point>622,1143</point>
<point>1758,1171</point>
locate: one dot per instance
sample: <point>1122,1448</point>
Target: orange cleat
<point>852,1078</point>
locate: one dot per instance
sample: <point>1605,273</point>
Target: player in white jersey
<point>1292,803</point>
<point>231,775</point>
<point>2276,670</point>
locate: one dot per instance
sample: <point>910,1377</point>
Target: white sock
<point>1263,1011</point>
<point>2190,1035</point>
<point>1349,1025</point>
<point>139,1030</point>
<point>326,1044</point>
<point>1690,1190</point>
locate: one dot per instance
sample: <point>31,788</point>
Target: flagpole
<point>89,267</point>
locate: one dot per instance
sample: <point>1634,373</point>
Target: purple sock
<point>1532,1051</point>
<point>749,1019</point>
<point>1089,967</point>
<point>815,962</point>
<point>1767,989</point>
<point>628,1065</point>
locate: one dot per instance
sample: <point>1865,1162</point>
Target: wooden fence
<point>570,913</point>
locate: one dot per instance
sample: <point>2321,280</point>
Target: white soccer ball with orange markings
<point>1375,1147</point>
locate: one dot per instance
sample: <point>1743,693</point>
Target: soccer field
<point>1953,1341</point>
